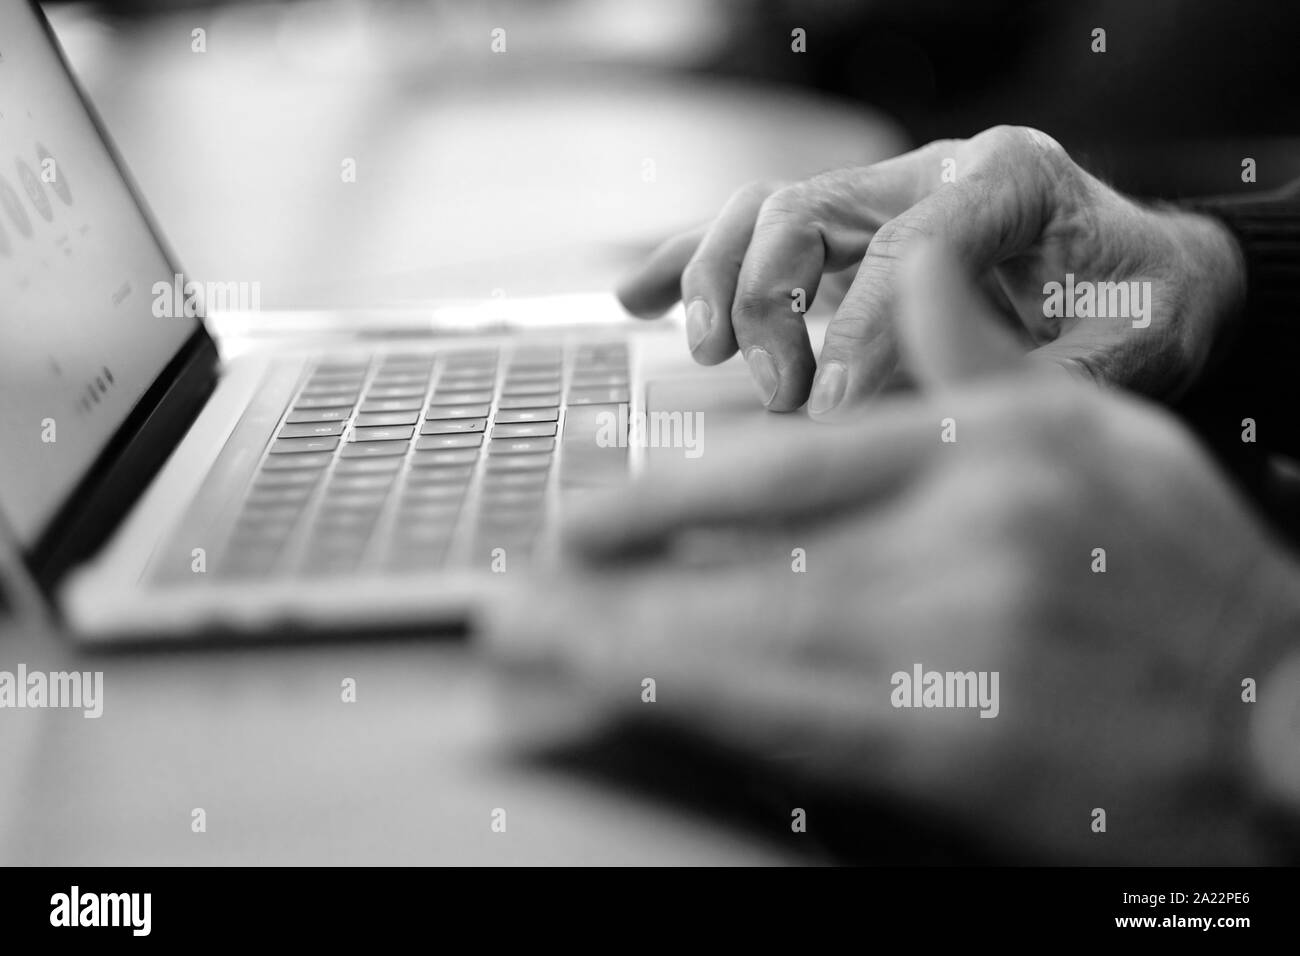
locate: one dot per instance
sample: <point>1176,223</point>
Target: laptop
<point>156,492</point>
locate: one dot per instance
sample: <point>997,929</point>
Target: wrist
<point>1210,269</point>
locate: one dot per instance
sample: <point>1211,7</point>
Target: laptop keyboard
<point>405,462</point>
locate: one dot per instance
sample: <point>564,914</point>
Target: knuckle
<point>1007,142</point>
<point>751,306</point>
<point>757,190</point>
<point>848,335</point>
<point>696,275</point>
<point>892,239</point>
<point>938,150</point>
<point>786,205</point>
<point>1027,143</point>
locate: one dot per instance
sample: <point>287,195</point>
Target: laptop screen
<point>79,339</point>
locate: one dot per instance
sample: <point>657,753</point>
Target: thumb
<point>947,331</point>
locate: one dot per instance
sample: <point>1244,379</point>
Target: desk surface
<point>525,182</point>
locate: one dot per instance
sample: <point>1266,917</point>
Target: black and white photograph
<point>854,435</point>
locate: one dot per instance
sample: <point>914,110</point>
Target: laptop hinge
<point>121,473</point>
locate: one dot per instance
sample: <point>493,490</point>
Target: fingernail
<point>828,390</point>
<point>763,368</point>
<point>698,317</point>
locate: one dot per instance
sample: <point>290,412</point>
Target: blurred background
<point>509,147</point>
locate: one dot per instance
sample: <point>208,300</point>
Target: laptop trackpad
<point>689,415</point>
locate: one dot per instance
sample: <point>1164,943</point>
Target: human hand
<point>1018,214</point>
<point>1118,690</point>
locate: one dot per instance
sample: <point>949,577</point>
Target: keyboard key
<point>546,386</point>
<point>277,495</point>
<point>383,433</point>
<point>279,479</point>
<point>518,463</point>
<point>340,387</point>
<point>536,357</point>
<point>363,502</point>
<point>401,376</point>
<point>549,400</point>
<point>472,386</point>
<point>337,413</point>
<point>598,396</point>
<point>466,383</point>
<point>441,397</point>
<point>288,462</point>
<point>355,521</point>
<point>521,446</point>
<point>361,482</point>
<point>367,419</point>
<point>448,475</point>
<point>601,352</point>
<point>377,392</point>
<point>367,466</point>
<point>507,416</point>
<point>454,426</point>
<point>410,360</point>
<point>432,442</point>
<point>444,412</point>
<point>333,383</point>
<point>286,446</point>
<point>374,449</point>
<point>534,373</point>
<point>392,404</point>
<point>524,430</point>
<point>329,400</point>
<point>433,492</point>
<point>599,379</point>
<point>451,456</point>
<point>463,357</point>
<point>442,512</point>
<point>309,429</point>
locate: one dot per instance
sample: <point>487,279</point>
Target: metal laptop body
<point>154,493</point>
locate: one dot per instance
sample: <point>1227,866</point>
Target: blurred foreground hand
<point>1090,279</point>
<point>1117,690</point>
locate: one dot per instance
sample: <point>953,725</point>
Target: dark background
<point>1216,77</point>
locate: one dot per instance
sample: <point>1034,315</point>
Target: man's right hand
<point>1017,212</point>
